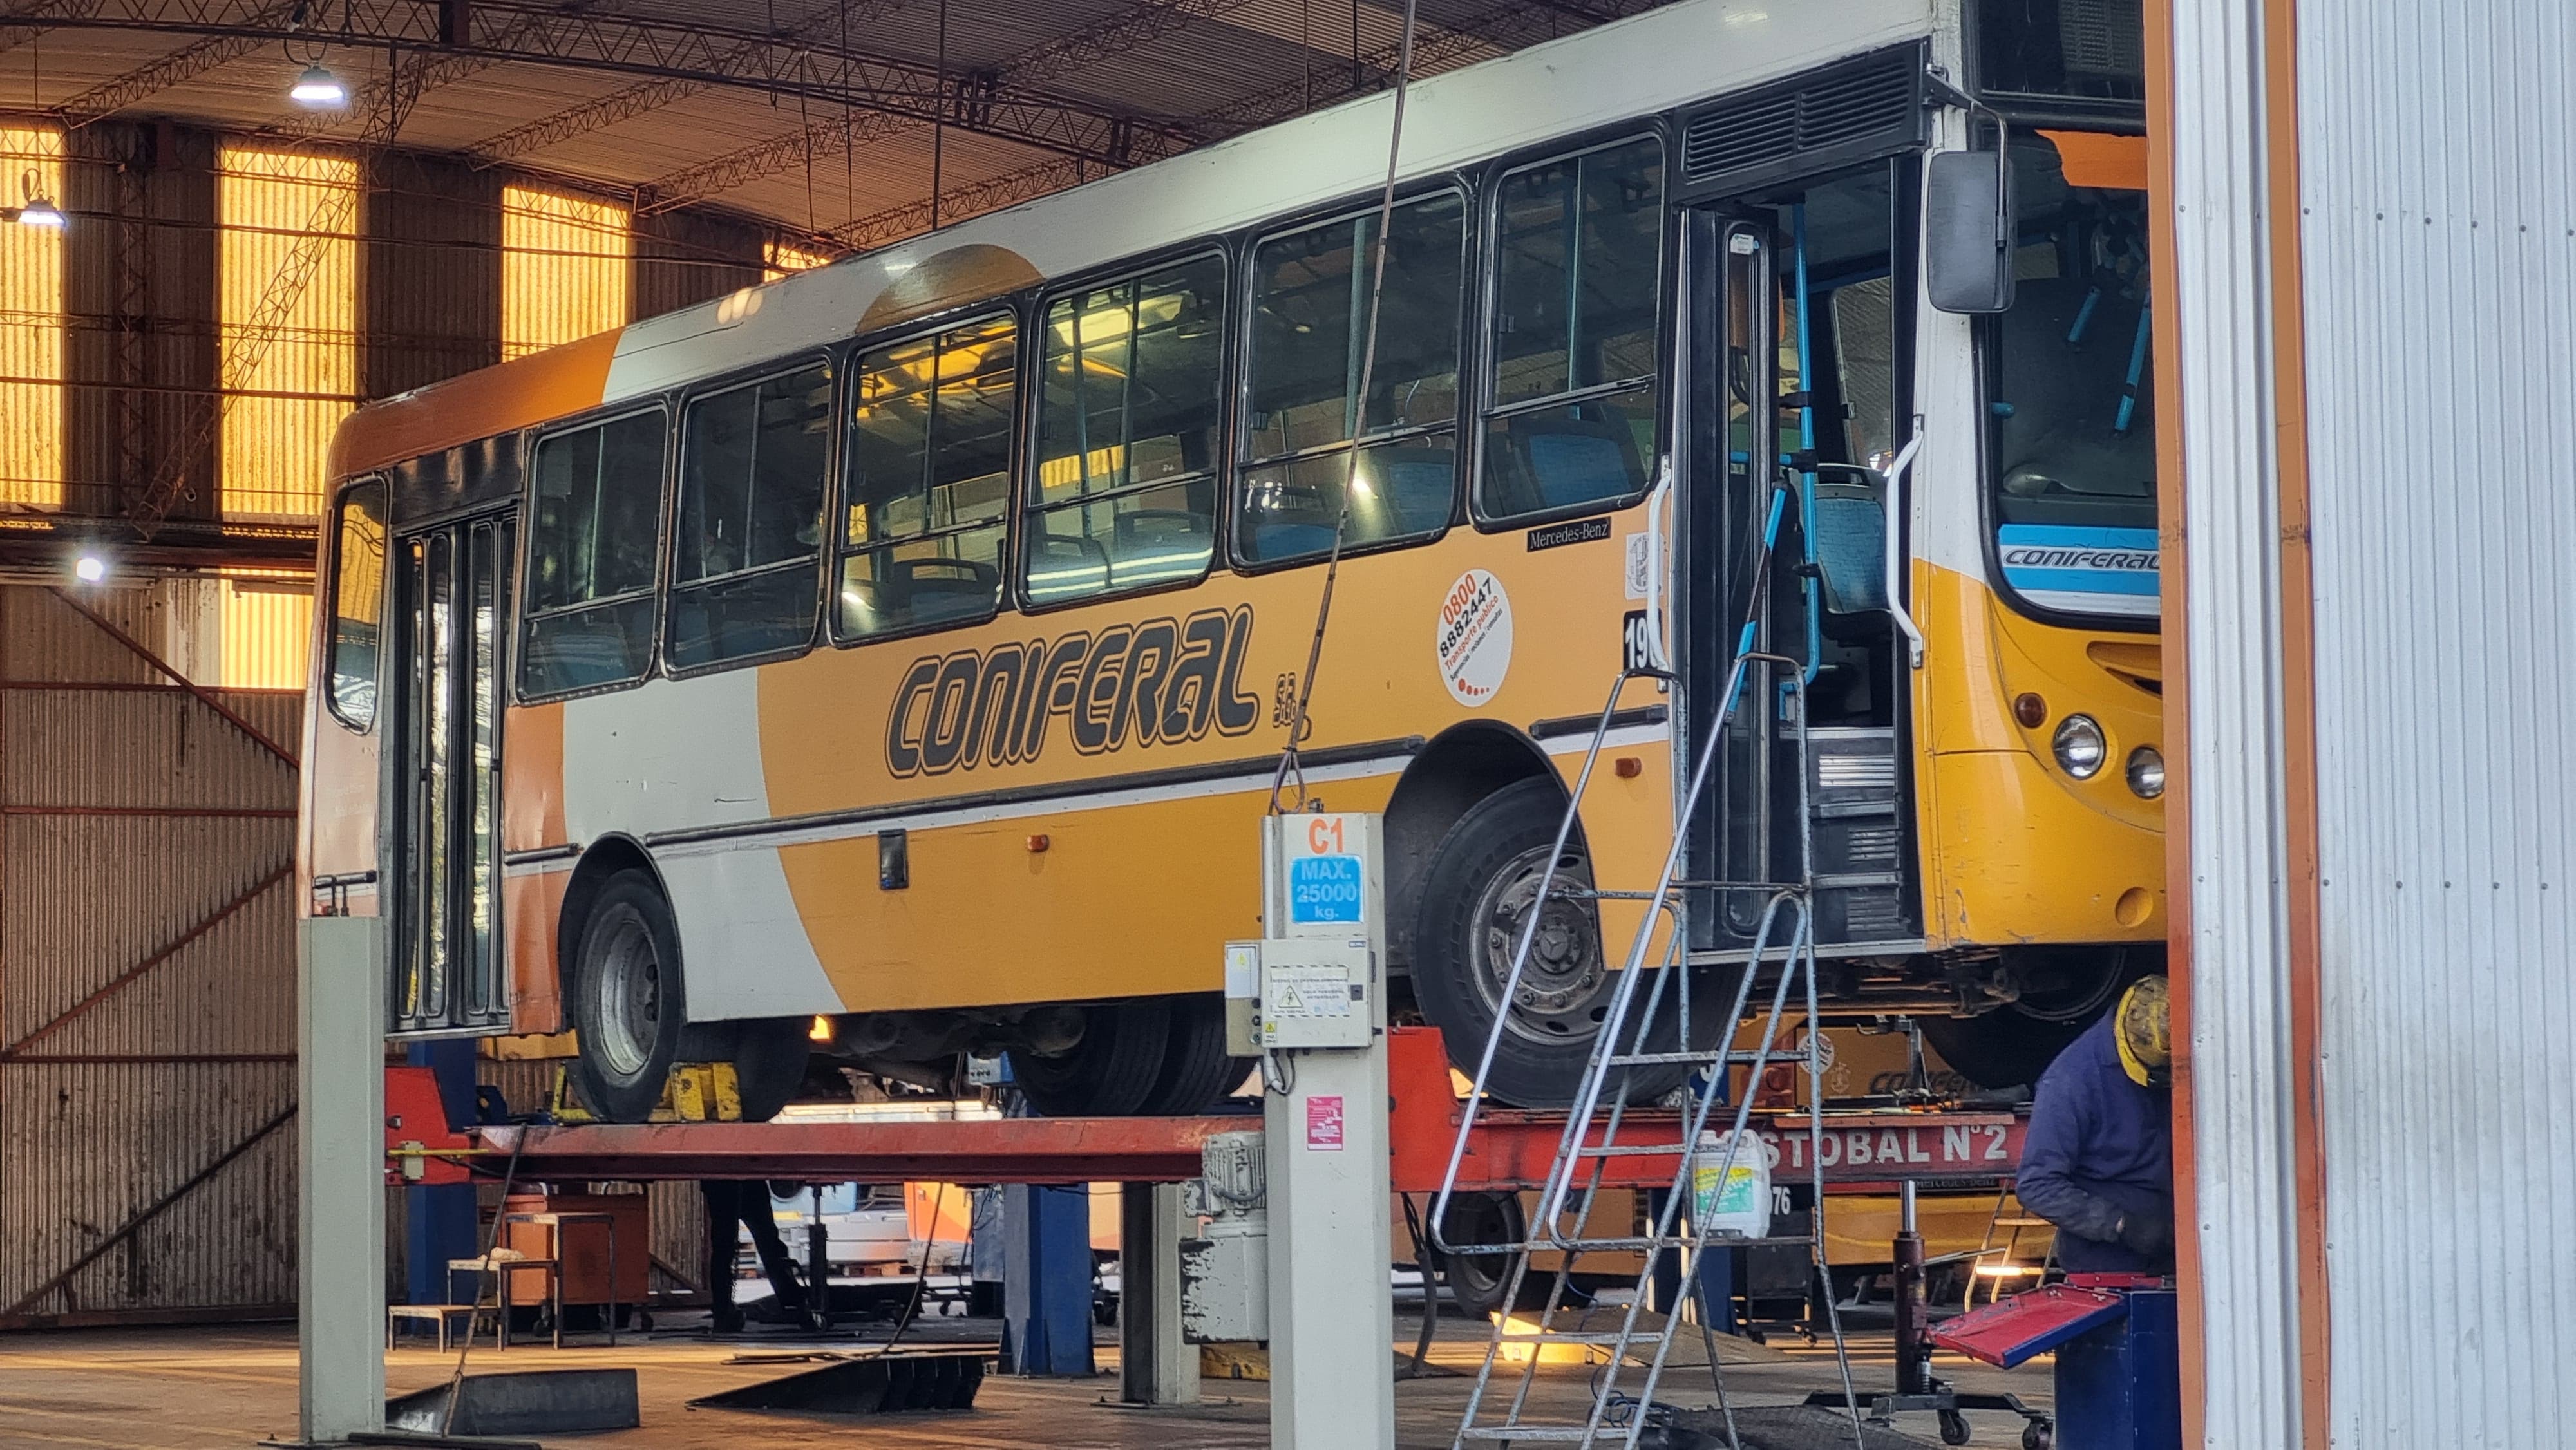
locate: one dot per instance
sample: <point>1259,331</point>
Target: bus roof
<point>1629,69</point>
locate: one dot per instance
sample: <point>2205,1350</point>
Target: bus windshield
<point>2070,398</point>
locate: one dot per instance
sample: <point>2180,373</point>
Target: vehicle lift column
<point>340,1188</point>
<point>1321,1028</point>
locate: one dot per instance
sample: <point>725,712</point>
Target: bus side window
<point>591,551</point>
<point>1310,306</point>
<point>1572,394</point>
<point>358,603</point>
<point>1129,394</point>
<point>928,480</point>
<point>750,520</point>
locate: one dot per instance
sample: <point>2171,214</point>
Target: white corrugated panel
<point>2240,1055</point>
<point>2439,250</point>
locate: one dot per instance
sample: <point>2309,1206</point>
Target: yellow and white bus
<point>908,643</point>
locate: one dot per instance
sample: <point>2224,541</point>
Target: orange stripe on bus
<point>520,393</point>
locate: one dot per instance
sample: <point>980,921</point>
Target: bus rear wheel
<point>1477,895</point>
<point>628,1009</point>
<point>1110,1072</point>
<point>1197,1070</point>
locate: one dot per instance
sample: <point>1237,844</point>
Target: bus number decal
<point>1636,641</point>
<point>1161,681</point>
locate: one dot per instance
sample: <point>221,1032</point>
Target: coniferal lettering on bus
<point>1161,681</point>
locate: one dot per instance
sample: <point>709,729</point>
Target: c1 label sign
<point>1324,881</point>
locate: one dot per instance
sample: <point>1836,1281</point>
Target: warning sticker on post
<point>1324,1123</point>
<point>1323,890</point>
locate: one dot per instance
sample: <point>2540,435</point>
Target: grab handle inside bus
<point>1895,545</point>
<point>1655,503</point>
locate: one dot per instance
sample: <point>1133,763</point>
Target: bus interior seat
<point>563,654</point>
<point>941,586</point>
<point>1147,545</point>
<point>1064,566</point>
<point>1576,460</point>
<point>1271,541</point>
<point>1420,486</point>
<point>1851,548</point>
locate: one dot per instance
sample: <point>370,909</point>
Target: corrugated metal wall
<point>432,265</point>
<point>143,349</point>
<point>2438,220</point>
<point>2239,1063</point>
<point>684,258</point>
<point>565,269</point>
<point>31,330</point>
<point>147,978</point>
<point>289,237</point>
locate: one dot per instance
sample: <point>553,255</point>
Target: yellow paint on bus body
<point>2015,849</point>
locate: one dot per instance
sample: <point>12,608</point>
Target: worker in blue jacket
<point>2098,1162</point>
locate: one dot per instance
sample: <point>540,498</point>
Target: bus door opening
<point>451,611</point>
<point>1798,350</point>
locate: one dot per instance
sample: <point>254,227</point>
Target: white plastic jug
<point>1740,1207</point>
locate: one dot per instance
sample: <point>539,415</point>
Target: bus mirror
<point>1968,231</point>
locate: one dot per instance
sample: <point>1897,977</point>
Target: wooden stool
<point>500,1265</point>
<point>441,1315</point>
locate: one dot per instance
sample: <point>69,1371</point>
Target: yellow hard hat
<point>2143,1027</point>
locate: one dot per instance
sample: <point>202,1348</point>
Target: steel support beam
<point>1113,34</point>
<point>1454,42</point>
<point>783,66</point>
<point>647,96</point>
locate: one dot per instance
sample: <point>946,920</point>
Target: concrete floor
<point>178,1389</point>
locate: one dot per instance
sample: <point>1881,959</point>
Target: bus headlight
<point>2146,773</point>
<point>2079,746</point>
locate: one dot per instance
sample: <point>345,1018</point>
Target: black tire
<point>2038,1435</point>
<point>769,1057</point>
<point>1109,1073</point>
<point>629,1007</point>
<point>1473,904</point>
<point>1954,1428</point>
<point>1196,1069</point>
<point>1477,1281</point>
<point>2004,1048</point>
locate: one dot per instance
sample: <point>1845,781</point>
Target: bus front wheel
<point>1478,893</point>
<point>628,1012</point>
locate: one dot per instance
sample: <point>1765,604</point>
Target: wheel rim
<point>1475,1221</point>
<point>1560,989</point>
<point>625,995</point>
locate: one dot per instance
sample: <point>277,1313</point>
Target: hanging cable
<point>1291,769</point>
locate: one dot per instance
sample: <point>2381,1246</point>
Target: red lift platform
<point>1510,1149</point>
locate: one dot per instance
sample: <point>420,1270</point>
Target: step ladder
<point>1599,1129</point>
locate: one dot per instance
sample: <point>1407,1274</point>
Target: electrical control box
<point>1317,992</point>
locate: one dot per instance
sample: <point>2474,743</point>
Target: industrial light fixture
<point>40,210</point>
<point>89,569</point>
<point>318,90</point>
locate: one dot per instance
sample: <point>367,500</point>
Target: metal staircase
<point>1639,1034</point>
